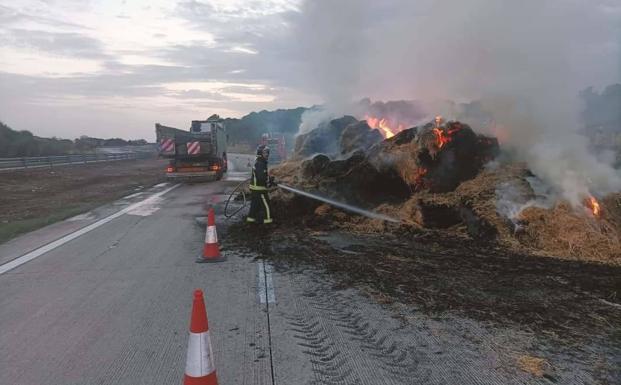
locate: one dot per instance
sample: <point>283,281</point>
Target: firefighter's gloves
<point>271,182</point>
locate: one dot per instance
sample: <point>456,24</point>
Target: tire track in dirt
<point>379,347</point>
<point>328,362</point>
<point>343,346</point>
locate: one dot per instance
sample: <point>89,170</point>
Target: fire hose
<point>239,191</point>
<point>340,205</point>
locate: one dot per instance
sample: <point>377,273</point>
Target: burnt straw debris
<point>441,175</point>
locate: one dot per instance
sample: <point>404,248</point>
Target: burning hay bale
<point>435,177</point>
<point>352,179</point>
<point>358,136</point>
<point>389,171</point>
<point>323,139</point>
<point>567,232</point>
<point>337,137</point>
<point>435,158</point>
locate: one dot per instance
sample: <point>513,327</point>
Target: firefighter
<point>260,209</point>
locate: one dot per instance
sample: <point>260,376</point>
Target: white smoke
<point>312,118</point>
<point>511,198</point>
<point>525,60</point>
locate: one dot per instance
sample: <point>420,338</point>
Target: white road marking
<point>59,242</point>
<point>161,184</point>
<point>271,296</point>
<point>261,284</point>
<point>147,209</point>
<point>133,195</point>
<point>265,288</point>
<point>82,217</point>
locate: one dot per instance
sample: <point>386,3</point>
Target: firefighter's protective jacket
<point>259,179</point>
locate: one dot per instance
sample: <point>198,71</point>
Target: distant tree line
<point>250,128</point>
<point>24,143</point>
<point>601,118</point>
<point>602,111</point>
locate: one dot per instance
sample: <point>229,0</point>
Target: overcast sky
<point>115,67</point>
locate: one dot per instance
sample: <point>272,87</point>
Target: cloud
<point>299,52</point>
<point>69,44</point>
<point>198,94</point>
<point>12,16</point>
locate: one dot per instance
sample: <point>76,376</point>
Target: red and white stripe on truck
<point>194,148</point>
<point>167,145</point>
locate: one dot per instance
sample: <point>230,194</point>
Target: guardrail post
<point>49,160</point>
<point>84,158</point>
<point>24,162</point>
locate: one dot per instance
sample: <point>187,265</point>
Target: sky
<point>114,68</point>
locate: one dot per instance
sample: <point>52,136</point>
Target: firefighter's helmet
<point>439,120</point>
<point>263,151</point>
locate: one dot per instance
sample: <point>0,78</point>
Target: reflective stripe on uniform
<point>267,208</point>
<point>268,220</point>
<point>254,187</point>
<point>248,219</point>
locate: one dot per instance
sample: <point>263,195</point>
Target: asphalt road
<point>111,305</point>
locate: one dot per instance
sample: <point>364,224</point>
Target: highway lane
<point>112,306</point>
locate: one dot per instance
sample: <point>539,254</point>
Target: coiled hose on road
<point>237,191</point>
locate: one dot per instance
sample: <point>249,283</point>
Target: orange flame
<point>387,128</point>
<point>441,139</point>
<point>444,136</point>
<point>593,205</point>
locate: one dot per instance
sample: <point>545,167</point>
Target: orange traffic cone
<point>199,367</point>
<point>211,250</point>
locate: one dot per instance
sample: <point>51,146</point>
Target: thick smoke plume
<point>526,61</point>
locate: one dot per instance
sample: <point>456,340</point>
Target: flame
<point>441,138</point>
<point>592,204</point>
<point>445,135</point>
<point>387,128</point>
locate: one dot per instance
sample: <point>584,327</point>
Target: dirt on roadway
<point>569,310</point>
<point>30,199</point>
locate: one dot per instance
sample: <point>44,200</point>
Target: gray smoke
<point>525,60</point>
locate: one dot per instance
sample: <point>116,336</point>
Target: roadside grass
<point>13,229</point>
<point>32,199</point>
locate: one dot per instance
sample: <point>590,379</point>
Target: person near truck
<point>260,209</point>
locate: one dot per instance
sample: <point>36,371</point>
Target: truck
<point>276,143</point>
<point>195,155</point>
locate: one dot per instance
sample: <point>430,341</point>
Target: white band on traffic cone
<point>211,236</point>
<point>199,361</point>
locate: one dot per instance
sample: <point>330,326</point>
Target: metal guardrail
<point>62,160</point>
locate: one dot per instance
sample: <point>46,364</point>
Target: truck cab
<point>276,142</point>
<point>197,154</point>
